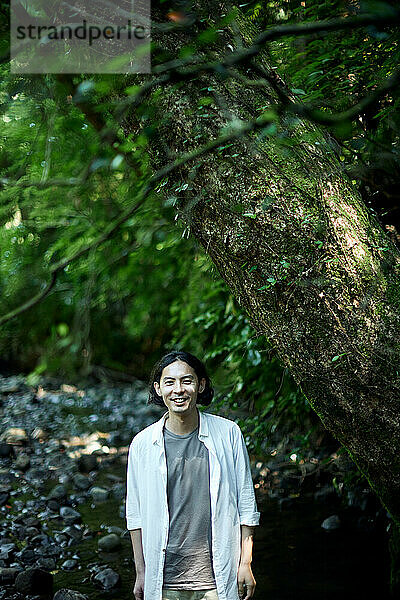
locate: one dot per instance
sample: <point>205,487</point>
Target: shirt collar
<point>159,425</point>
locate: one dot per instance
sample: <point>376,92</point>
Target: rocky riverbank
<point>63,454</point>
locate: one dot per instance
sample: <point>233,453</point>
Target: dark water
<point>295,559</point>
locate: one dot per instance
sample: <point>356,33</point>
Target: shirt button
<point>163,549</point>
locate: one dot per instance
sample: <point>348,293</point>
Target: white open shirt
<point>232,496</point>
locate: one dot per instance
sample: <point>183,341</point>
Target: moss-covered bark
<point>291,237</point>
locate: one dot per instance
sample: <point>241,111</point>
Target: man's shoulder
<point>144,435</point>
<point>221,422</point>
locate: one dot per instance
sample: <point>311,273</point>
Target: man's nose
<point>177,386</point>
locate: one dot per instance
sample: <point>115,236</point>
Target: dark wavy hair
<point>199,368</point>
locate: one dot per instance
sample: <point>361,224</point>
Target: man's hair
<point>198,367</point>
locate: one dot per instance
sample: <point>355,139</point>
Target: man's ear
<point>202,385</point>
<point>156,386</point>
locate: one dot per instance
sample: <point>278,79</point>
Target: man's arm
<point>134,521</point>
<point>248,515</point>
<point>136,539</point>
<point>245,574</point>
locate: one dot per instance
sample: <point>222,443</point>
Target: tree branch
<point>243,129</point>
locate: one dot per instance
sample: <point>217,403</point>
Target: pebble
<point>99,494</point>
<point>70,515</point>
<point>22,462</point>
<point>107,578</point>
<point>109,543</point>
<point>8,575</point>
<point>46,563</point>
<point>69,564</point>
<point>331,523</point>
<point>58,493</point>
<point>81,482</point>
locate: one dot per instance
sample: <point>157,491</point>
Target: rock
<point>39,434</point>
<point>7,547</point>
<point>40,540</point>
<point>65,594</point>
<point>58,493</point>
<point>9,385</point>
<point>99,494</point>
<point>34,581</point>
<point>70,515</point>
<point>81,482</point>
<point>115,529</point>
<point>32,522</point>
<point>4,494</point>
<point>61,539</point>
<point>22,462</point>
<point>31,532</point>
<point>109,543</point>
<point>331,523</point>
<point>6,450</point>
<point>69,564</point>
<point>27,555</point>
<point>53,505</point>
<point>8,574</point>
<point>74,532</point>
<point>107,578</point>
<point>46,563</point>
<point>119,491</point>
<point>87,463</point>
<point>15,436</point>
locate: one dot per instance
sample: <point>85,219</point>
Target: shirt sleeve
<point>133,520</point>
<point>246,499</point>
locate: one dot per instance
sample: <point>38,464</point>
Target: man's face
<point>179,387</point>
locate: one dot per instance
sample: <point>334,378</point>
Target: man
<point>190,504</point>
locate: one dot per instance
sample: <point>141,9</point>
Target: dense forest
<point>240,202</point>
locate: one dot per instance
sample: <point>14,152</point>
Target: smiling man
<point>190,504</point>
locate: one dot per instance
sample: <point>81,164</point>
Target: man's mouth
<point>179,400</point>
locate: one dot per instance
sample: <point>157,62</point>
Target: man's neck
<point>182,424</point>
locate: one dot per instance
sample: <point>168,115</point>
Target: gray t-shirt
<point>188,559</point>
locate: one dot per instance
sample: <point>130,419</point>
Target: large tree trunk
<point>304,257</point>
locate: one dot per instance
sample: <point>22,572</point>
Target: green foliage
<point>149,287</point>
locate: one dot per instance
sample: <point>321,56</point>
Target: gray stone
<point>69,564</point>
<point>107,578</point>
<point>70,515</point>
<point>65,594</point>
<point>115,529</point>
<point>46,563</point>
<point>119,491</point>
<point>74,532</point>
<point>58,493</point>
<point>81,482</point>
<point>22,462</point>
<point>331,523</point>
<point>31,532</point>
<point>8,575</point>
<point>34,581</point>
<point>99,494</point>
<point>109,543</point>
